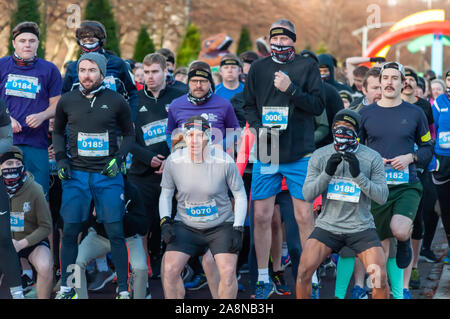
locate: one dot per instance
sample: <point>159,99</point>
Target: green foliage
<point>101,11</point>
<point>245,42</point>
<point>321,48</point>
<point>190,46</point>
<point>144,45</point>
<point>27,10</point>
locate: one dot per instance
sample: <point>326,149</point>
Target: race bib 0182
<point>394,177</point>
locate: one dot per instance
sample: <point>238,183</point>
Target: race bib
<point>22,86</point>
<point>394,177</point>
<point>343,189</point>
<point>154,132</point>
<point>110,83</point>
<point>444,139</point>
<point>93,144</point>
<point>202,212</point>
<point>275,116</point>
<point>17,221</point>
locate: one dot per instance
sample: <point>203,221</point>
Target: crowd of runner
<point>126,171</point>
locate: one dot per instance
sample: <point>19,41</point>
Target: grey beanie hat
<point>95,57</point>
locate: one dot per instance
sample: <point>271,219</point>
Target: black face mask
<point>345,139</point>
<point>14,178</point>
<point>282,54</point>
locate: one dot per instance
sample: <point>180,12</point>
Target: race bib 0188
<point>343,189</point>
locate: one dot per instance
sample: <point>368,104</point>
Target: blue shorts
<point>36,162</point>
<point>266,179</point>
<point>78,192</point>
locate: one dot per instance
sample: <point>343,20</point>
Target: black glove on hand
<point>377,59</point>
<point>64,170</point>
<point>333,163</point>
<point>237,239</point>
<point>167,231</point>
<point>353,163</point>
<point>112,168</point>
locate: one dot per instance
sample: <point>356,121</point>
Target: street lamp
<point>365,31</point>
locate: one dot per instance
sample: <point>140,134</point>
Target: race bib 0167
<point>154,132</point>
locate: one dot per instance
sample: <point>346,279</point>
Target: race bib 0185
<point>93,144</point>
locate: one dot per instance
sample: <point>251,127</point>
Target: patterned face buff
<point>282,54</point>
<point>14,178</point>
<point>345,139</point>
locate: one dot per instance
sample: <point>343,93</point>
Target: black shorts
<point>358,242</point>
<point>196,242</point>
<point>26,252</point>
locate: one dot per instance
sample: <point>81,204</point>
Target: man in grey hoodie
<point>348,175</point>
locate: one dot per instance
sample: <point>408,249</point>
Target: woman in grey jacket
<point>348,175</point>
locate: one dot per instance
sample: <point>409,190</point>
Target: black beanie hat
<point>348,116</point>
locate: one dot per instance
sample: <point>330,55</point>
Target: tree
<point>27,10</point>
<point>190,46</point>
<point>101,11</point>
<point>144,45</point>
<point>245,42</point>
<point>321,48</point>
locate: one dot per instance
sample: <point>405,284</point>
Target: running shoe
<point>101,279</point>
<point>27,283</point>
<point>148,295</point>
<point>71,294</point>
<point>407,294</point>
<point>155,264</point>
<point>447,258</point>
<point>197,283</point>
<point>414,281</point>
<point>264,289</point>
<point>281,288</point>
<point>187,273</point>
<point>428,255</point>
<point>123,295</point>
<point>315,291</point>
<point>285,261</point>
<point>240,286</point>
<point>359,293</point>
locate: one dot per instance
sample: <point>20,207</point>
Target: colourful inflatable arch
<point>390,38</point>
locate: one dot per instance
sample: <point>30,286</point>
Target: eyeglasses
<point>393,65</point>
<point>201,82</point>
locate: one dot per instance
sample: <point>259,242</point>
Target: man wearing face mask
<point>92,114</point>
<point>31,220</point>
<point>282,94</point>
<point>91,37</point>
<point>349,176</point>
<point>326,66</point>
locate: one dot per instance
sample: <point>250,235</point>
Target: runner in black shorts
<point>348,176</point>
<point>202,176</point>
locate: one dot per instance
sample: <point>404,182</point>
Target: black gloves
<point>353,163</point>
<point>167,231</point>
<point>377,59</point>
<point>112,168</point>
<point>333,163</point>
<point>237,239</point>
<point>64,170</point>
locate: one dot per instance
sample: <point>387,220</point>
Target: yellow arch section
<point>414,19</point>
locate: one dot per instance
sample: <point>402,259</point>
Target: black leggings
<point>119,253</point>
<point>9,261</point>
<point>443,192</point>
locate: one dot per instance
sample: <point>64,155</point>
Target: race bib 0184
<point>22,86</point>
<point>93,144</point>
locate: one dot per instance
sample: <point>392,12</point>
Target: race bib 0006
<point>275,116</point>
<point>93,144</point>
